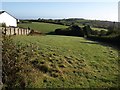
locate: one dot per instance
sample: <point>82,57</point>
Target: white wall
<point>119,11</point>
<point>8,19</point>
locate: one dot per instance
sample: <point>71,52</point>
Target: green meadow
<point>99,29</point>
<point>70,62</point>
<point>42,27</point>
<point>47,27</point>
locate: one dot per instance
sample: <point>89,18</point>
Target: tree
<point>73,30</point>
<point>87,30</point>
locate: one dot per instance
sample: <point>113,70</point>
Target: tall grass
<point>16,64</point>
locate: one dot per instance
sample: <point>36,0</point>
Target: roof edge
<point>8,13</point>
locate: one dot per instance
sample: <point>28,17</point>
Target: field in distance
<point>43,27</point>
<point>48,27</point>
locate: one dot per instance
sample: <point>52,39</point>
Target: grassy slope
<point>43,27</point>
<point>74,61</point>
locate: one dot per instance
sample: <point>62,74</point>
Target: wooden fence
<point>15,31</point>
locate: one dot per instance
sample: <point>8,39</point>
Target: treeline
<point>75,30</point>
<point>56,21</point>
<point>93,23</point>
<point>79,21</point>
<point>44,20</point>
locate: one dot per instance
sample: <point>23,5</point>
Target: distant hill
<point>80,21</point>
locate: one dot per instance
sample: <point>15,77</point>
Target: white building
<point>119,11</point>
<point>8,19</point>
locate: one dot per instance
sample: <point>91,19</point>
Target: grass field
<point>43,27</point>
<point>93,28</point>
<point>99,29</point>
<point>47,27</point>
<point>72,62</point>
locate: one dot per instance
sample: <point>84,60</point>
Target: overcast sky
<point>88,9</point>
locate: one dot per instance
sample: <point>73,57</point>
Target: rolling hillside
<point>71,62</point>
<point>48,27</point>
<point>43,27</point>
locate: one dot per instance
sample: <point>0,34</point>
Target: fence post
<point>10,31</point>
<point>21,31</point>
<point>26,31</point>
<point>14,31</point>
<point>18,31</point>
<point>5,30</point>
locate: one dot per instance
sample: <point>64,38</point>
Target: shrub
<point>115,40</point>
<point>102,33</point>
<point>10,64</point>
<point>87,30</point>
<point>3,25</point>
<point>16,63</point>
<point>73,30</point>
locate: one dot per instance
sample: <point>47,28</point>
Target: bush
<point>16,63</point>
<point>10,64</point>
<point>115,40</point>
<point>87,30</point>
<point>3,25</point>
<point>103,33</point>
<point>73,30</point>
<point>113,33</point>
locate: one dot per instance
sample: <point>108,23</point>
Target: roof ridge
<point>7,13</point>
<point>2,12</point>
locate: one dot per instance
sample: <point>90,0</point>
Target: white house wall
<point>8,19</point>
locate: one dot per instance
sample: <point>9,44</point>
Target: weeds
<point>16,66</point>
